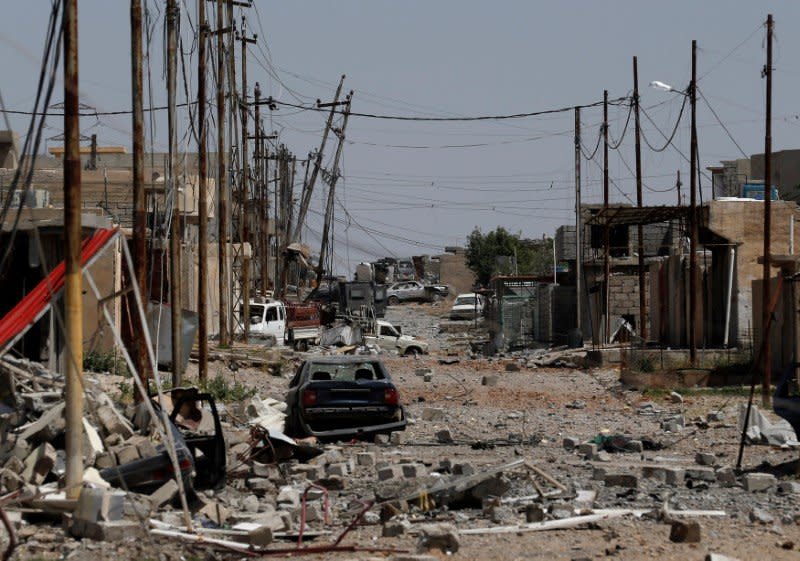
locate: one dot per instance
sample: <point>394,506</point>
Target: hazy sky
<point>413,186</point>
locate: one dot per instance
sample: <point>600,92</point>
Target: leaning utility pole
<point>202,195</point>
<point>72,257</point>
<point>139,196</point>
<point>766,380</point>
<point>175,221</point>
<point>606,227</point>
<point>693,229</point>
<point>309,187</point>
<point>640,230</point>
<point>222,189</point>
<point>332,179</point>
<point>244,189</point>
<point>578,222</point>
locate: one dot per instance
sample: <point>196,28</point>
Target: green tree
<point>493,253</point>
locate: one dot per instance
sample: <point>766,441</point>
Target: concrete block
<point>113,423</point>
<point>338,469</point>
<point>726,476</point>
<point>397,438</point>
<point>381,439</point>
<point>99,505</point>
<point>39,463</point>
<point>365,459</point>
<point>393,529</point>
<point>126,453</point>
<point>10,480</point>
<point>588,450</point>
<point>674,476</point>
<point>463,468</point>
<point>628,480</point>
<point>164,494</point>
<point>288,495</point>
<point>789,488</point>
<point>705,459</point>
<point>215,512</point>
<point>105,460</point>
<point>14,464</point>
<point>261,486</point>
<point>115,531</point>
<point>444,436</point>
<point>701,474</point>
<point>654,472</point>
<point>411,471</point>
<point>570,443</point>
<point>685,531</point>
<point>434,414</point>
<point>387,473</point>
<point>144,446</point>
<point>757,482</point>
<point>490,380</point>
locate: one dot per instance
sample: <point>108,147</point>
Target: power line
<point>447,119</point>
<point>722,124</point>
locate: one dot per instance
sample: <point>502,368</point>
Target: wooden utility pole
<point>678,185</point>
<point>766,379</point>
<point>202,180</point>
<point>606,227</point>
<point>640,229</point>
<point>245,188</point>
<point>333,178</point>
<point>139,196</point>
<point>309,187</point>
<point>693,229</point>
<point>578,223</point>
<point>222,189</point>
<point>256,171</point>
<point>72,256</point>
<point>175,222</point>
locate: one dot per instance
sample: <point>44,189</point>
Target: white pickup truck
<point>389,338</point>
<point>295,325</point>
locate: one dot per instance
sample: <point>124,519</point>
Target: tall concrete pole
<point>578,224</point>
<point>72,252</point>
<point>245,190</point>
<point>222,190</point>
<point>693,229</point>
<point>606,227</point>
<point>202,185</point>
<point>766,380</point>
<point>308,189</point>
<point>639,202</point>
<point>175,222</point>
<point>139,197</point>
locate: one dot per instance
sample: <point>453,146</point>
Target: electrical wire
<point>674,130</point>
<point>742,152</point>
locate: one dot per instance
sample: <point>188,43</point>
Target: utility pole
<point>606,226</point>
<point>257,185</point>
<point>678,185</point>
<point>175,222</point>
<point>766,380</point>
<point>578,223</point>
<point>139,196</point>
<point>202,179</point>
<point>333,178</point>
<point>309,187</point>
<point>72,251</point>
<point>693,229</point>
<point>222,189</point>
<point>244,190</point>
<point>640,229</point>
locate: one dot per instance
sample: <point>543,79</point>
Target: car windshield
<point>465,301</point>
<point>344,372</point>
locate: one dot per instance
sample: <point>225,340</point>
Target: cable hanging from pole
<point>674,130</point>
<point>614,146</point>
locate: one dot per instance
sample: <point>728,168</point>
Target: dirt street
<point>473,414</point>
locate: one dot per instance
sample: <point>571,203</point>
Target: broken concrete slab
<point>164,494</point>
<point>759,482</point>
<point>39,463</point>
<point>685,531</point>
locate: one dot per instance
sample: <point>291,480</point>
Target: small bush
<point>223,390</point>
<point>95,361</point>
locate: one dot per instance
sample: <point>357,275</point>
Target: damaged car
<point>336,398</point>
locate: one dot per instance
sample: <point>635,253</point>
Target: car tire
<point>437,297</point>
<point>393,300</point>
<point>412,351</point>
<point>301,345</point>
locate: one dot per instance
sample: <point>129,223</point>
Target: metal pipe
<point>73,298</point>
<point>172,187</point>
<point>729,303</point>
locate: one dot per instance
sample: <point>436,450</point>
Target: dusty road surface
<point>474,414</point>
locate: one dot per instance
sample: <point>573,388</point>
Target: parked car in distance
<point>391,338</point>
<point>344,397</point>
<point>407,291</point>
<point>467,306</point>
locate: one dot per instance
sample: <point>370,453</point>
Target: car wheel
<point>437,297</point>
<point>301,345</point>
<point>412,351</point>
<point>394,300</point>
